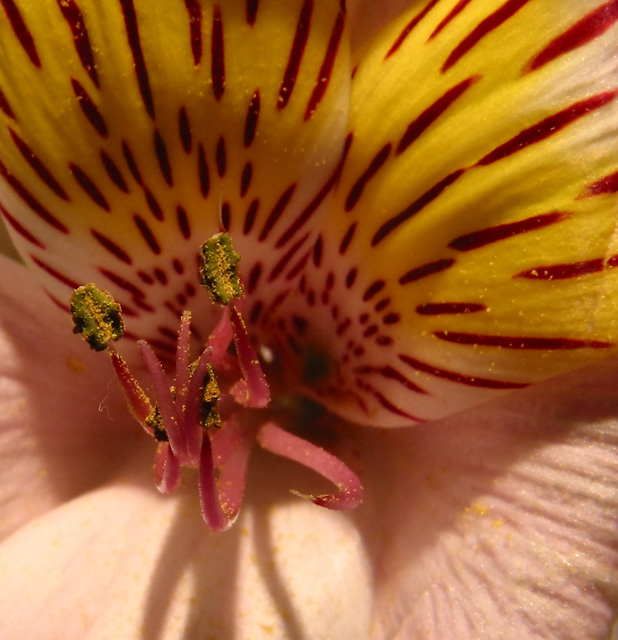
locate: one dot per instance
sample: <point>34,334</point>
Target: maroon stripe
<point>251,119</point>
<point>184,130</point>
<point>563,271</point>
<point>441,308</point>
<point>390,373</point>
<point>226,216</point>
<point>254,277</point>
<point>31,201</point>
<point>425,270</point>
<point>608,184</point>
<point>89,187</point>
<point>194,9</point>
<point>202,170</point>
<point>20,229</point>
<point>153,205</point>
<point>112,247</point>
<point>41,170</point>
<point>55,274</point>
<point>318,251</point>
<point>130,21</point>
<point>486,236</point>
<point>178,266</point>
<point>250,216</point>
<point>296,54</point>
<point>391,318</point>
<point>519,342</point>
<point>245,179</point>
<point>113,172</point>
<point>588,28</point>
<point>549,126</point>
<point>217,51</point>
<point>387,404</point>
<point>161,276</point>
<point>358,187</point>
<point>453,376</point>
<point>282,264</point>
<point>409,27</point>
<point>390,225</point>
<point>493,21</point>
<point>252,8</point>
<point>382,304</point>
<point>221,157</point>
<point>89,109</point>
<point>144,277</point>
<point>277,211</point>
<point>75,20</point>
<point>21,31</point>
<point>453,13</point>
<point>326,69</point>
<point>311,208</point>
<point>123,283</point>
<point>163,158</point>
<point>298,267</point>
<point>347,238</point>
<point>130,160</point>
<point>183,222</point>
<point>147,234</point>
<point>433,112</point>
<point>373,289</point>
<point>5,106</point>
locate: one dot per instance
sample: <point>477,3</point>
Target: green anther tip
<point>97,316</point>
<point>219,269</point>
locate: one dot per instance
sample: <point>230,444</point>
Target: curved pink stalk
<point>281,442</point>
<point>166,469</point>
<point>257,392</point>
<point>219,340</point>
<point>212,512</point>
<point>138,401</point>
<point>181,381</point>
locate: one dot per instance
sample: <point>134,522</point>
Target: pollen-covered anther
<point>219,269</point>
<point>97,316</point>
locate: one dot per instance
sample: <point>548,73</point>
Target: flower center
<point>219,405</point>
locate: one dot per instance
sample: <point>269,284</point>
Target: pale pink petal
<point>502,522</point>
<point>125,563</point>
<point>63,426</point>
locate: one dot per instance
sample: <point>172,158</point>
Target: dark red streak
<point>358,187</point>
<point>113,172</point>
<point>163,158</point>
<point>252,7</point>
<point>250,216</point>
<point>89,109</point>
<point>453,13</point>
<point>123,283</point>
<point>370,331</point>
<point>178,266</point>
<point>161,276</point>
<point>549,126</point>
<point>391,318</point>
<point>296,54</point>
<point>409,27</point>
<point>388,405</point>
<point>442,308</point>
<point>608,184</point>
<point>144,277</point>
<point>563,271</point>
<point>256,312</point>
<point>112,247</point>
<point>373,289</point>
<point>153,205</point>
<point>282,264</point>
<point>347,239</point>
<point>217,68</point>
<point>41,170</point>
<point>226,216</point>
<point>221,157</point>
<point>194,9</point>
<point>382,304</point>
<point>588,28</point>
<point>147,234</point>
<point>245,179</point>
<point>5,106</point>
<point>350,278</point>
<point>130,21</point>
<point>31,201</point>
<point>390,225</point>
<point>384,341</point>
<point>326,70</point>
<point>254,277</point>
<point>130,160</point>
<point>19,228</point>
<point>318,251</point>
<point>202,171</point>
<point>390,373</point>
<point>21,31</point>
<point>414,275</point>
<point>89,187</point>
<point>453,376</point>
<point>486,236</point>
<point>251,120</point>
<point>433,112</point>
<point>311,208</point>
<point>494,20</point>
<point>519,342</point>
<point>298,267</point>
<point>55,274</point>
<point>183,222</point>
<point>184,130</point>
<point>75,20</point>
<point>277,212</point>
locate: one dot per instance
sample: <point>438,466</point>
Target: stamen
<point>97,316</point>
<point>219,269</point>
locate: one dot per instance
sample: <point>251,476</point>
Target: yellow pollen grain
<point>75,364</point>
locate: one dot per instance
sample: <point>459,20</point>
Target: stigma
<point>210,411</point>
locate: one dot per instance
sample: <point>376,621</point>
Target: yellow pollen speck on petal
<point>75,364</point>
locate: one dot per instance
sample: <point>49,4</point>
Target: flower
<point>425,221</point>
